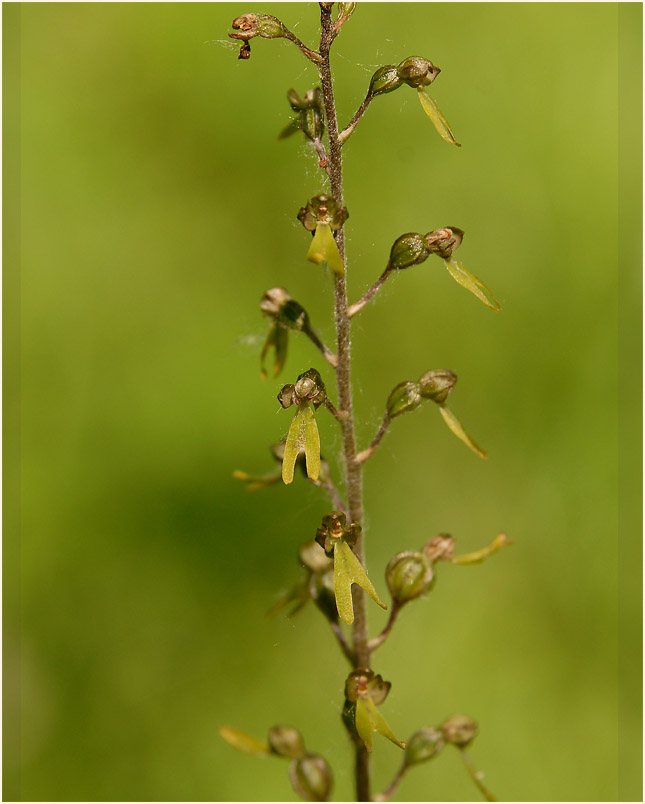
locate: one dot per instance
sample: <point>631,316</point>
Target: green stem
<point>353,469</point>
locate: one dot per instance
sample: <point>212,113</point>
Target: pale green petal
<point>245,742</point>
<point>311,443</point>
<point>453,423</point>
<point>348,570</point>
<point>363,723</point>
<point>368,720</point>
<point>438,120</point>
<point>323,248</point>
<point>472,283</point>
<point>477,557</point>
<point>294,443</point>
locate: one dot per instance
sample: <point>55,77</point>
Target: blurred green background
<point>154,206</point>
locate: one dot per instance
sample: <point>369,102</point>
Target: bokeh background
<point>148,205</point>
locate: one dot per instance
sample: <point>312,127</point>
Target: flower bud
<point>437,385</point>
<point>423,745</point>
<point>385,79</point>
<point>286,742</point>
<point>408,575</point>
<point>444,241</point>
<point>345,11</point>
<point>405,397</point>
<point>249,26</point>
<point>459,730</point>
<point>311,778</point>
<point>408,250</point>
<point>416,72</point>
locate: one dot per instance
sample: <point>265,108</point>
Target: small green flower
<point>443,242</point>
<point>321,216</point>
<point>307,394</point>
<point>364,691</point>
<point>337,539</point>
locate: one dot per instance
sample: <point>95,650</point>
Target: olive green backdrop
<point>148,205</point>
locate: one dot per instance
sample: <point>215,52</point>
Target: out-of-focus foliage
<point>157,205</point>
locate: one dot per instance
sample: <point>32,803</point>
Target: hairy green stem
<point>353,469</point>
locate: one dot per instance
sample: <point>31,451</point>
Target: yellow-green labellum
<point>453,423</point>
<point>348,570</point>
<point>303,432</point>
<point>438,120</point>
<point>324,249</point>
<point>369,720</point>
<point>477,557</point>
<point>472,283</point>
<point>244,742</point>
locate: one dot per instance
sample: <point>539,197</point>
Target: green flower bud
<point>423,745</point>
<point>407,250</point>
<point>437,385</point>
<point>322,209</point>
<point>408,575</point>
<point>416,72</point>
<point>444,241</point>
<point>311,778</point>
<point>345,11</point>
<point>459,730</point>
<point>286,742</point>
<point>385,79</point>
<point>405,397</point>
<point>248,26</point>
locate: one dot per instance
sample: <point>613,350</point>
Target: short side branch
<point>329,356</point>
<point>338,633</point>
<point>376,641</point>
<point>346,133</point>
<point>366,453</point>
<point>369,295</point>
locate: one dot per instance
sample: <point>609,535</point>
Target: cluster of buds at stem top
<point>417,73</point>
<point>413,249</point>
<point>364,691</point>
<point>436,385</point>
<point>322,216</point>
<point>310,116</point>
<point>286,314</point>
<point>307,395</point>
<point>310,775</point>
<point>248,26</point>
<point>337,538</point>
